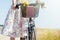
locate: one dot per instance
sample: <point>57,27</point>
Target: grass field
<point>48,34</point>
<point>41,34</point>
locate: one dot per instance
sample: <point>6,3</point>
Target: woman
<point>15,23</point>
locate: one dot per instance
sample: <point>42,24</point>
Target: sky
<point>49,17</point>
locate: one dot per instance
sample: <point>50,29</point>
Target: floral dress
<point>15,25</point>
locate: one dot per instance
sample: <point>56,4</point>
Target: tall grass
<point>46,34</point>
